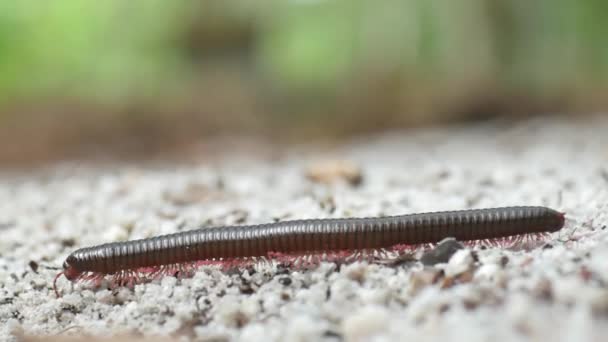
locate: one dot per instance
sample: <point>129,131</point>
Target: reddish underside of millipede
<point>306,260</point>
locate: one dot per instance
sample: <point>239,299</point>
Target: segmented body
<point>309,237</point>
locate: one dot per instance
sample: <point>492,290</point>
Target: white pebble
<point>459,263</point>
<point>364,324</point>
<point>115,233</point>
<point>488,272</point>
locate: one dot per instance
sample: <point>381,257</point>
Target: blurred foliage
<point>94,48</point>
<point>204,67</point>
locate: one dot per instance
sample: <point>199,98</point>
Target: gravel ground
<point>555,292</point>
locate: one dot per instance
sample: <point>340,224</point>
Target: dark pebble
<point>285,281</point>
<point>34,266</point>
<point>442,252</point>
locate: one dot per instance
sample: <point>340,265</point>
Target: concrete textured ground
<point>556,292</point>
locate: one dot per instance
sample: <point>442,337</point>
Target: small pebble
<point>460,262</point>
<point>331,171</point>
<point>285,281</point>
<point>365,323</point>
<point>442,252</point>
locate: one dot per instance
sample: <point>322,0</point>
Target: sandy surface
<point>557,292</point>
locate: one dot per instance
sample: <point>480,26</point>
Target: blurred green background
<point>143,77</point>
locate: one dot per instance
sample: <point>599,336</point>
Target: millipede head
<point>69,271</point>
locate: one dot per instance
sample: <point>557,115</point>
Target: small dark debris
<point>487,181</point>
<point>34,266</point>
<point>68,242</point>
<point>246,289</point>
<point>443,174</point>
<point>71,308</point>
<point>285,296</point>
<point>285,281</point>
<point>443,308</point>
<point>442,252</point>
<point>38,286</point>
<point>282,269</point>
<point>328,293</point>
<point>328,204</point>
<point>14,277</point>
<point>7,300</point>
<point>475,256</point>
<point>333,334</point>
<point>474,200</point>
<point>547,246</point>
<point>470,304</point>
<point>240,216</point>
<point>180,226</point>
<point>240,319</point>
<point>17,315</point>
<point>504,260</point>
<point>604,174</point>
<point>169,313</point>
<point>250,269</point>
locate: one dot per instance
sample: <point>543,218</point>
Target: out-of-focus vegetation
<point>146,75</point>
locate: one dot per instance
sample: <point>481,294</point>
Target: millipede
<point>180,253</point>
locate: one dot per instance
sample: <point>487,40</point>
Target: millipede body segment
<point>304,237</point>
